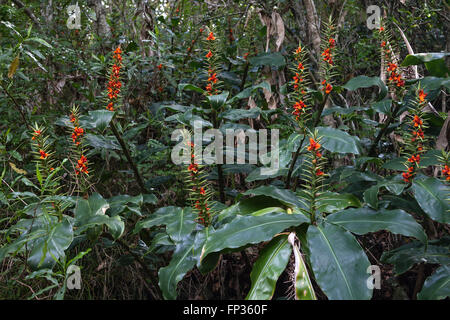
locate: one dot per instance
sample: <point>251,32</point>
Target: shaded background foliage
<point>163,47</point>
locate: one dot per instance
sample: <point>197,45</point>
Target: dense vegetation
<point>349,200</point>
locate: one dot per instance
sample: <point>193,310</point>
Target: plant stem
<point>128,156</point>
<point>382,132</point>
<point>294,159</point>
<point>17,106</point>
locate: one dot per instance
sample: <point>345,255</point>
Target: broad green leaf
<point>249,206</point>
<point>341,110</point>
<point>367,82</point>
<point>430,158</point>
<point>365,220</point>
<point>247,92</point>
<point>51,245</point>
<point>268,210</point>
<point>183,259</point>
<point>339,141</point>
<point>267,269</point>
<point>274,59</point>
<point>332,202</point>
<point>183,224</point>
<point>397,164</point>
<point>97,119</point>
<point>238,114</point>
<point>189,87</point>
<point>434,62</point>
<point>218,100</point>
<point>244,230</point>
<point>256,174</point>
<point>383,106</point>
<point>179,222</point>
<point>371,196</point>
<point>90,213</point>
<point>338,262</point>
<point>404,257</point>
<point>286,196</point>
<point>433,197</point>
<point>436,286</point>
<point>393,184</point>
<point>102,142</point>
<point>434,83</point>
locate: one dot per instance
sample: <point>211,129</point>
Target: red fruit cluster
<point>212,74</point>
<point>314,147</point>
<point>114,84</point>
<point>36,134</point>
<point>82,165</point>
<point>43,155</point>
<point>417,138</point>
<point>327,53</point>
<point>327,87</point>
<point>211,37</point>
<point>203,211</point>
<point>77,134</point>
<point>395,77</point>
<point>299,106</point>
<point>446,172</point>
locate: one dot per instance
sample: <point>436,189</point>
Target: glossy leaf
<point>338,262</point>
<point>404,257</point>
<point>183,259</point>
<point>247,92</point>
<point>339,141</point>
<point>97,119</point>
<point>383,106</point>
<point>238,114</point>
<point>179,222</point>
<point>92,212</point>
<point>274,59</point>
<point>103,142</point>
<point>433,197</point>
<point>268,267</point>
<point>367,82</point>
<point>218,100</point>
<point>285,196</point>
<point>365,220</point>
<point>189,87</point>
<point>332,201</point>
<point>244,230</point>
<point>434,62</point>
<point>49,247</point>
<point>436,286</point>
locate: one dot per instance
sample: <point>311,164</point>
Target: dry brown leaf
<point>444,135</point>
<point>13,67</point>
<point>279,29</point>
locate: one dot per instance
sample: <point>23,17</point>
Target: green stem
<point>128,156</point>
<point>294,160</point>
<point>382,132</point>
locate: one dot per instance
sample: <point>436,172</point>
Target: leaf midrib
<point>337,261</point>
